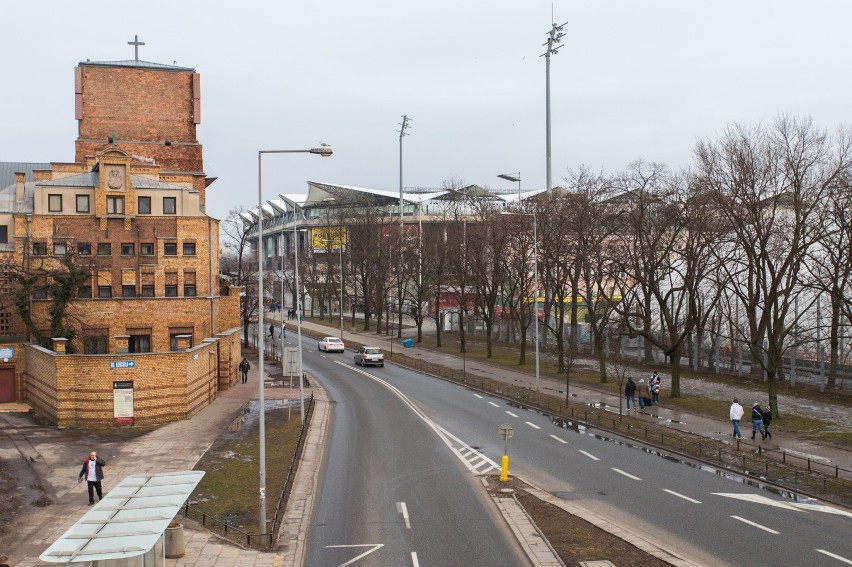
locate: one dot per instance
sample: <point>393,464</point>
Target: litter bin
<point>175,544</point>
<point>408,343</point>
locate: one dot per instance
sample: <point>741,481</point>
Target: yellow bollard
<point>504,470</point>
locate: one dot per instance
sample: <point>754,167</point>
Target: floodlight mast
<point>554,37</point>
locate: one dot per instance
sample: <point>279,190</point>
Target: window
<point>147,291</point>
<point>95,342</point>
<point>54,203</point>
<point>170,249</point>
<point>84,249</point>
<point>104,291</point>
<point>128,291</point>
<point>146,249</point>
<point>104,249</point>
<point>4,234</point>
<point>127,249</point>
<point>82,203</point>
<point>39,248</point>
<point>189,248</point>
<point>59,248</point>
<point>139,343</point>
<point>144,206</point>
<point>39,293</point>
<point>115,205</point>
<point>85,292</point>
<point>170,291</point>
<point>189,290</point>
<point>169,206</point>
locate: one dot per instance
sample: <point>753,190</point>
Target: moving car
<point>330,344</point>
<point>368,355</point>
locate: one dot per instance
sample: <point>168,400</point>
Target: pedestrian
<point>644,395</point>
<point>654,386</point>
<point>93,471</point>
<point>283,330</point>
<point>767,419</point>
<point>757,421</point>
<point>272,330</point>
<point>736,415</point>
<point>244,368</point>
<point>630,392</point>
<point>4,561</point>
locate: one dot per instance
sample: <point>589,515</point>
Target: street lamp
<point>515,178</point>
<point>535,285</point>
<point>324,151</point>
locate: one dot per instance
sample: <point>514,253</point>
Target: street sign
<point>506,432</point>
<point>122,364</point>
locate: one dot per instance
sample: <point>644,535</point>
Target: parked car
<point>331,344</point>
<point>368,355</point>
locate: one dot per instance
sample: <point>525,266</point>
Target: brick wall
<point>77,390</point>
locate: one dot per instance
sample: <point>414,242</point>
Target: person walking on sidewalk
<point>644,395</point>
<point>93,472</point>
<point>736,414</point>
<point>244,368</point>
<point>654,386</point>
<point>272,330</point>
<point>630,392</point>
<point>767,419</point>
<point>757,421</point>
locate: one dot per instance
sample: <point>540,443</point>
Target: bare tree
<point>238,264</point>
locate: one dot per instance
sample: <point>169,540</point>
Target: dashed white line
<point>834,556</point>
<point>512,414</point>
<point>533,425</point>
<point>478,396</point>
<point>414,560</point>
<point>592,457</point>
<point>559,439</point>
<point>628,475</point>
<point>687,498</point>
<point>493,404</point>
<point>403,509</point>
<point>755,524</point>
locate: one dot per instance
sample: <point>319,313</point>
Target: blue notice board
<point>122,364</point>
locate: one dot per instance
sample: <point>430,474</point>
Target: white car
<point>331,344</point>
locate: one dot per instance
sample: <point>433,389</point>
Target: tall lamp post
<point>515,178</point>
<point>324,151</point>
<point>535,285</point>
<point>554,37</point>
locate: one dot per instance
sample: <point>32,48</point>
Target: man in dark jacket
<point>630,392</point>
<point>244,368</point>
<point>93,472</point>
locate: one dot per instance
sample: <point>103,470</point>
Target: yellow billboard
<point>323,238</point>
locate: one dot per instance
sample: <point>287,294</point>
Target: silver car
<point>370,355</point>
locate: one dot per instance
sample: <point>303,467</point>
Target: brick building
<point>129,215</point>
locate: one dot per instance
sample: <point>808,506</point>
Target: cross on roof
<point>136,43</point>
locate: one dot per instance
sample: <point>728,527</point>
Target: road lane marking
<point>758,499</point>
<point>533,425</point>
<point>834,556</point>
<point>403,509</point>
<point>559,439</point>
<point>755,524</point>
<point>592,457</point>
<point>628,475</point>
<point>687,498</point>
<point>478,396</point>
<point>493,404</point>
<point>375,546</point>
<point>512,414</point>
<point>444,435</point>
<point>414,561</point>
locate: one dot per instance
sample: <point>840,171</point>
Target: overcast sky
<point>635,79</point>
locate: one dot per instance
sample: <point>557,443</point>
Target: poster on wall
<point>122,395</point>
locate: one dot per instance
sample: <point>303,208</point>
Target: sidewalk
<point>719,429</point>
<point>56,456</point>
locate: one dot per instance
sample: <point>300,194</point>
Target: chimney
<point>20,192</point>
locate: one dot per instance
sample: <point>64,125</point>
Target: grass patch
<point>229,487</point>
